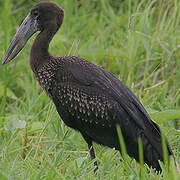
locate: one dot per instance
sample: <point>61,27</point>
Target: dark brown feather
<point>88,98</point>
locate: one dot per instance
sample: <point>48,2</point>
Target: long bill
<point>24,32</point>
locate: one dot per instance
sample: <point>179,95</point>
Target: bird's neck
<point>39,52</point>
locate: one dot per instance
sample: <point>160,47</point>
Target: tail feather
<point>151,156</point>
<point>153,152</point>
<point>151,141</point>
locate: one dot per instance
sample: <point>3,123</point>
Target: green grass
<point>138,41</point>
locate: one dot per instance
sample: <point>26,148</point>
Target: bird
<point>88,99</point>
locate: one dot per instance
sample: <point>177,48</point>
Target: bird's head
<point>43,16</point>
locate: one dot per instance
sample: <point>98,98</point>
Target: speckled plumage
<point>58,83</point>
<point>88,98</point>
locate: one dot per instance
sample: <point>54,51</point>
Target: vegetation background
<point>136,40</point>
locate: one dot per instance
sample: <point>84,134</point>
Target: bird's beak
<point>25,31</point>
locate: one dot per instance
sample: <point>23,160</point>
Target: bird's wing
<point>89,76</point>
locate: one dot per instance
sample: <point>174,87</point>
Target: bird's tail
<point>153,150</point>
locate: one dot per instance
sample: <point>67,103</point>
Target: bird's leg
<point>93,156</point>
<point>91,150</point>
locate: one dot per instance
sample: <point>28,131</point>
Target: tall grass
<point>138,41</point>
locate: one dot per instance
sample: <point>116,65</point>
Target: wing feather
<point>92,78</point>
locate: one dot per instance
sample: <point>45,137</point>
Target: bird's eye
<point>35,13</point>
